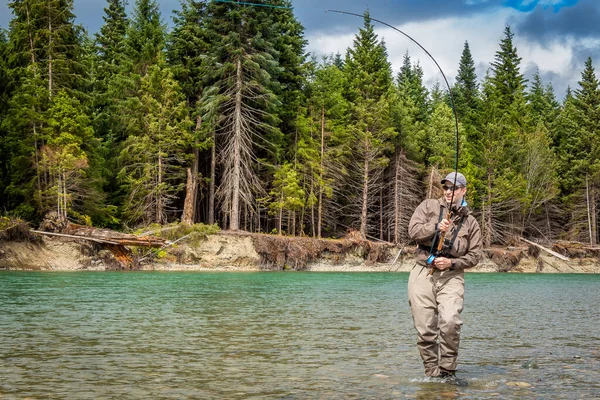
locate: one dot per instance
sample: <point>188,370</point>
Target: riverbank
<point>241,251</point>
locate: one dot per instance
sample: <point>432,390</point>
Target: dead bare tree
<point>241,123</point>
<point>404,192</point>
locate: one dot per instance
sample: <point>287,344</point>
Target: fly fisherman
<point>436,284</point>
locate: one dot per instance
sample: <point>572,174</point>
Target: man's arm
<point>419,228</point>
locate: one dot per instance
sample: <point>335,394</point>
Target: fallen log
<point>103,241</point>
<point>555,254</point>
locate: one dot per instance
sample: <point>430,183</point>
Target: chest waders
<point>447,244</point>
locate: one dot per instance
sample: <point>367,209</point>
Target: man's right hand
<point>444,225</point>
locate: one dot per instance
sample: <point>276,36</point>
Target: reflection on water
<point>288,335</point>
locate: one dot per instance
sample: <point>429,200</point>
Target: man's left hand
<point>442,263</point>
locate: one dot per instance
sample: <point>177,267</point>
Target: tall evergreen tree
<point>45,59</point>
<point>542,102</point>
<point>369,81</point>
<point>243,97</point>
<point>466,90</point>
<point>145,39</point>
<point>152,175</point>
<point>5,84</point>
<point>580,149</point>
<point>189,53</point>
<point>507,80</point>
<point>110,50</point>
<point>410,83</point>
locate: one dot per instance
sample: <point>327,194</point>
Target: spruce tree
<point>244,100</point>
<point>327,113</point>
<point>466,89</point>
<point>189,53</point>
<point>152,176</point>
<point>369,88</point>
<point>45,58</point>
<point>580,147</point>
<point>505,133</point>
<point>145,40</point>
<point>507,78</point>
<point>5,84</point>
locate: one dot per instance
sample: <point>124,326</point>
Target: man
<point>436,282</point>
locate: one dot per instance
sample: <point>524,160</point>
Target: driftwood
<point>103,241</point>
<point>555,254</point>
<point>115,242</point>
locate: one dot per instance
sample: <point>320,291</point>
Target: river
<point>173,335</point>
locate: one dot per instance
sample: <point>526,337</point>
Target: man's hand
<point>442,263</point>
<point>444,225</point>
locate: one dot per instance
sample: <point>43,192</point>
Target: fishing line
<point>443,76</point>
<point>251,4</point>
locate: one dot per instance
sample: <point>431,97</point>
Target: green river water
<point>153,335</point>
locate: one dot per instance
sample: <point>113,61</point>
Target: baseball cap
<point>461,181</point>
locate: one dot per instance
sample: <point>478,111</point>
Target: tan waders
<point>436,302</point>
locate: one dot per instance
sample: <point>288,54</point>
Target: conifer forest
<point>224,118</point>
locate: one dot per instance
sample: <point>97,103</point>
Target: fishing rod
<point>441,237</point>
<point>244,3</point>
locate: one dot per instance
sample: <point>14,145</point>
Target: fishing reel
<point>445,249</point>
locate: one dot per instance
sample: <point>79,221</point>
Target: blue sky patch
<point>529,5</point>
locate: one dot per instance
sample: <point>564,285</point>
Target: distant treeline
<point>226,119</point>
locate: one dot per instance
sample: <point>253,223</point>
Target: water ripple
<point>287,335</point>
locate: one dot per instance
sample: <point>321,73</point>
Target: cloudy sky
<point>552,36</point>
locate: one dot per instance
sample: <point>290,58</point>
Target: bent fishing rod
<point>441,237</point>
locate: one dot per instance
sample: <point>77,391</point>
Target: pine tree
<point>45,59</point>
<point>410,84</point>
<point>369,81</point>
<point>243,98</point>
<point>189,55</point>
<point>66,154</point>
<point>542,102</point>
<point>289,44</point>
<point>505,130</point>
<point>112,33</point>
<point>579,147</point>
<point>5,88</point>
<point>507,79</point>
<point>145,39</point>
<point>152,176</point>
<point>287,196</point>
<point>466,90</point>
<point>110,49</point>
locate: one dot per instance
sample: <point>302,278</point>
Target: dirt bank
<point>228,251</point>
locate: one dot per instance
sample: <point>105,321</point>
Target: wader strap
<point>455,235</point>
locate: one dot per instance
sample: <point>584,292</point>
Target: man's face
<point>459,193</point>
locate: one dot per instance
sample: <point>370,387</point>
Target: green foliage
<point>175,231</point>
<point>152,175</point>
<point>104,131</point>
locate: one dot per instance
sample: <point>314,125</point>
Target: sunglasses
<point>452,188</point>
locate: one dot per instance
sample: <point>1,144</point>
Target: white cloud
<point>444,39</point>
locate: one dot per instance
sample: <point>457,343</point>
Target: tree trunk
<point>280,220</point>
<point>365,192</point>
<point>191,188</point>
<point>397,199</point>
<point>381,214</point>
<point>64,196</point>
<point>159,205</point>
<point>487,238</point>
<point>211,184</point>
<point>312,206</point>
<point>234,223</point>
<point>593,215</point>
<point>320,210</point>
